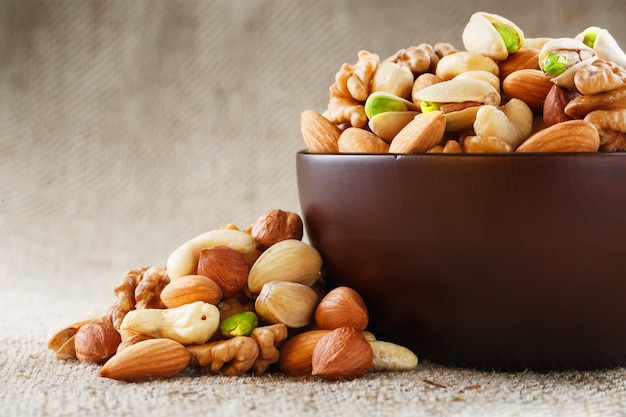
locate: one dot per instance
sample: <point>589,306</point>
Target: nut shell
<point>96,341</point>
<point>226,267</point>
<point>289,303</point>
<point>276,225</point>
<point>343,353</point>
<point>342,307</point>
<point>288,260</point>
<point>554,105</point>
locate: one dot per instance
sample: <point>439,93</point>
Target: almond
<point>343,353</point>
<point>525,58</point>
<point>529,85</point>
<point>422,133</point>
<point>569,136</point>
<point>190,288</point>
<point>356,140</point>
<point>297,352</point>
<point>154,358</point>
<point>320,134</point>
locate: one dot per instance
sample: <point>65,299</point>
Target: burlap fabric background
<point>128,127</point>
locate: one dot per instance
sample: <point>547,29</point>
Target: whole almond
<point>422,133</point>
<point>154,358</point>
<point>529,85</point>
<point>569,136</point>
<point>191,288</point>
<point>525,58</point>
<point>320,134</point>
<point>343,353</point>
<point>297,352</point>
<point>357,140</point>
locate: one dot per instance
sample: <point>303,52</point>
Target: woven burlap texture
<point>127,128</point>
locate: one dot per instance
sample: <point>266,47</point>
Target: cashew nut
<point>190,323</point>
<point>391,357</point>
<point>512,122</point>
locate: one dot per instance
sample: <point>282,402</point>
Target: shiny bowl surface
<point>489,261</point>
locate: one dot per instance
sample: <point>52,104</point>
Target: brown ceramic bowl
<point>490,261</point>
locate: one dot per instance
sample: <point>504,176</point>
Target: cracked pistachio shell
<point>382,102</point>
<point>492,35</point>
<point>560,58</point>
<point>458,90</point>
<point>288,260</point>
<point>457,63</point>
<point>605,45</point>
<point>387,125</point>
<point>481,75</point>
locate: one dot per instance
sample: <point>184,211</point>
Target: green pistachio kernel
<point>509,35</point>
<point>240,324</point>
<point>590,37</point>
<point>557,62</point>
<point>428,106</point>
<point>381,103</point>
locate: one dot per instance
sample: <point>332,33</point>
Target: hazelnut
<point>554,105</point>
<point>343,353</point>
<point>342,307</point>
<point>96,341</point>
<point>276,225</point>
<point>226,266</point>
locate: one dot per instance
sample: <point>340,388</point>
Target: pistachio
<point>290,303</point>
<point>605,45</point>
<point>452,65</point>
<point>560,58</point>
<point>240,324</point>
<point>288,260</point>
<point>381,102</point>
<point>387,125</point>
<point>458,99</point>
<point>492,35</point>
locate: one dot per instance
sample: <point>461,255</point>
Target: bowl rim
<point>464,155</point>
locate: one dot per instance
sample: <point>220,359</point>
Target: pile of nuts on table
<point>503,93</point>
<point>232,302</point>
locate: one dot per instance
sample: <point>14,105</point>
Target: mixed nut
<point>503,93</point>
<point>232,302</point>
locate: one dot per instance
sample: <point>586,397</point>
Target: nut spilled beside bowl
<point>503,261</point>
